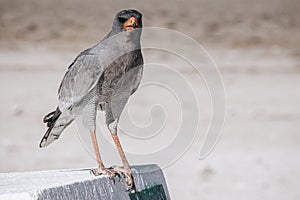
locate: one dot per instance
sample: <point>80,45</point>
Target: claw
<point>109,172</point>
<point>128,177</point>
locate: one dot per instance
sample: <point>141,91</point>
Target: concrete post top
<point>81,184</point>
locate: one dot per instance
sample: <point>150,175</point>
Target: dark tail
<point>51,118</point>
<point>56,124</point>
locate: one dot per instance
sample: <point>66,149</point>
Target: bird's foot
<point>127,173</point>
<point>111,173</point>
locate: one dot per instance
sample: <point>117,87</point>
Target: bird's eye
<point>122,19</point>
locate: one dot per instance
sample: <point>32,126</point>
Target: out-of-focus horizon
<point>256,45</point>
<point>226,22</point>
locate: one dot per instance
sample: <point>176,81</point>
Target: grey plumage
<point>102,77</point>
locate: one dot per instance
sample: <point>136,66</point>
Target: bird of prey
<point>103,78</point>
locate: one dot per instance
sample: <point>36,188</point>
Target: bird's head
<point>127,20</point>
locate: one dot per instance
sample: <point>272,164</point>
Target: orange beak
<point>131,23</point>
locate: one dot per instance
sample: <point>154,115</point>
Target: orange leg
<point>101,169</point>
<point>126,170</point>
<point>121,152</point>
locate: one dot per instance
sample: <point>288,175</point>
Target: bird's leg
<point>101,169</point>
<point>126,170</point>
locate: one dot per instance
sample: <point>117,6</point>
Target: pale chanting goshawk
<point>102,77</point>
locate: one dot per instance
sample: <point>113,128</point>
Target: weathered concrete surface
<point>80,184</point>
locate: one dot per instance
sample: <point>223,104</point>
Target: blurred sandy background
<point>256,45</point>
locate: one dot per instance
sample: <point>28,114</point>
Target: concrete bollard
<point>80,184</point>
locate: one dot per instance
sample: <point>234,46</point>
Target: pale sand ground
<point>257,156</point>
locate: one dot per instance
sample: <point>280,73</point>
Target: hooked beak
<point>131,23</point>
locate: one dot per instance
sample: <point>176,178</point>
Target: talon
<point>113,167</point>
<point>118,175</point>
<point>109,172</point>
<point>95,172</point>
<point>128,177</point>
<point>130,183</point>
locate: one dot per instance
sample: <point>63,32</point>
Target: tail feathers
<point>56,123</point>
<point>51,118</point>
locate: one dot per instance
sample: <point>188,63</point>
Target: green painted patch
<point>156,192</point>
